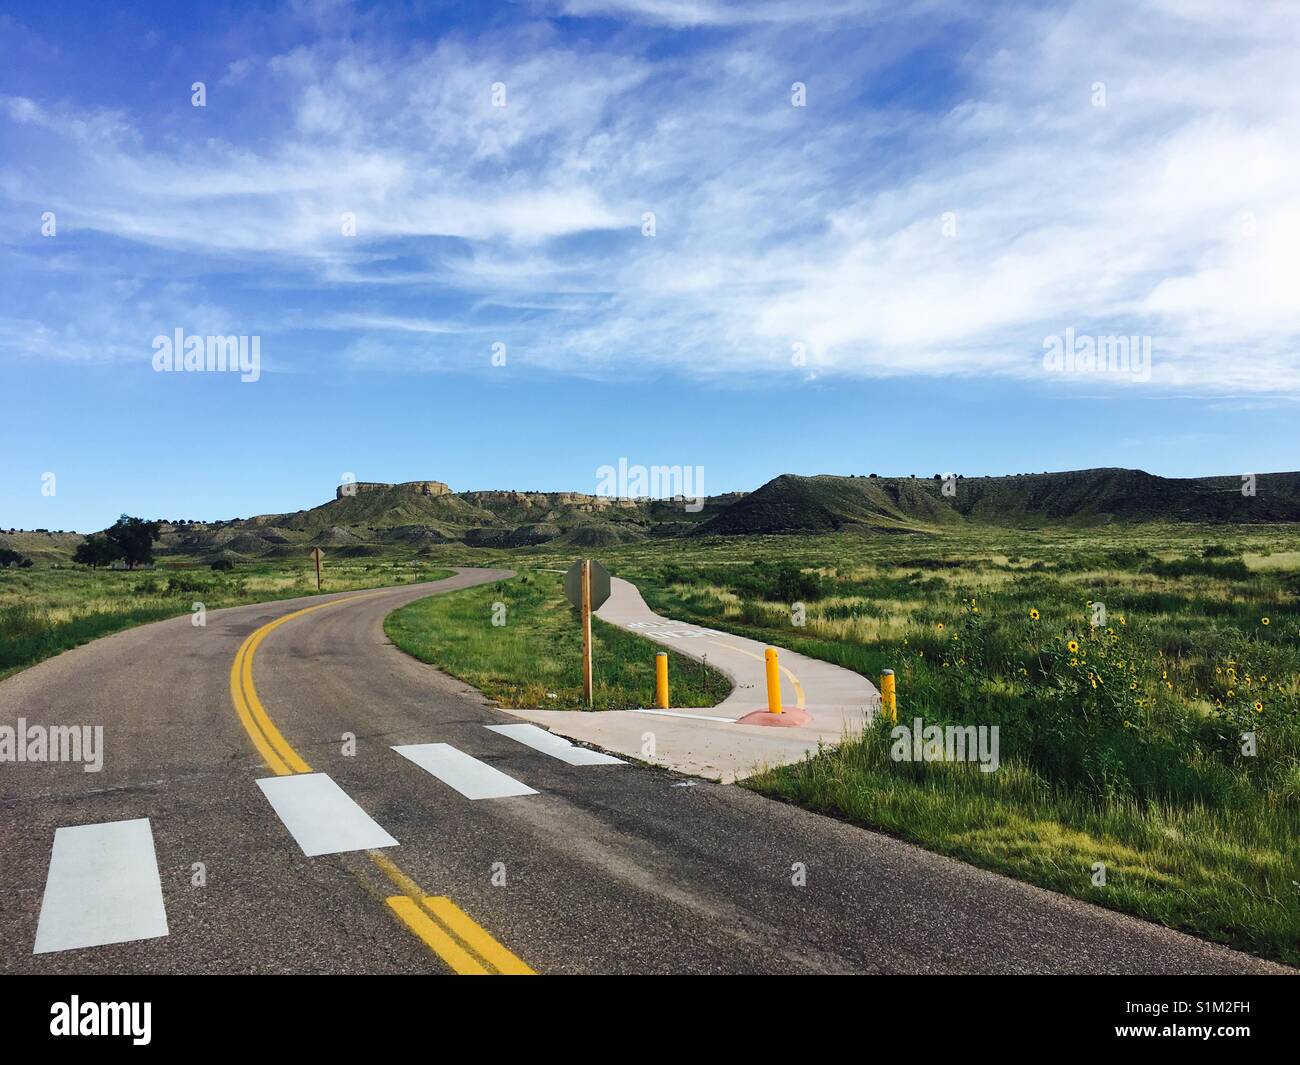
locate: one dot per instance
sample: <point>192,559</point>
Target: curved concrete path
<point>708,742</point>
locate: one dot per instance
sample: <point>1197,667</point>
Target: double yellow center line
<point>441,925</point>
<point>271,745</point>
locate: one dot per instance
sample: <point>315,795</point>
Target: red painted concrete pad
<point>788,718</point>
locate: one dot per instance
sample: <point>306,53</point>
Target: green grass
<point>534,658</point>
<point>1217,873</point>
<point>44,611</point>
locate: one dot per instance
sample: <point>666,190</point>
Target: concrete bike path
<point>709,742</point>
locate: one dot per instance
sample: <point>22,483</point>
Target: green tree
<point>134,538</point>
<point>96,550</point>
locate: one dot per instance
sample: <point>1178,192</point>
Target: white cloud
<point>694,13</point>
<point>1169,212</point>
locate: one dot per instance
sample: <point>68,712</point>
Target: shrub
<point>183,583</point>
<point>1234,570</point>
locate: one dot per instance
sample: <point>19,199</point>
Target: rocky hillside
<point>791,504</point>
<point>368,518</point>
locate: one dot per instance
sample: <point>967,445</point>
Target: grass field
<point>532,658</point>
<point>44,611</point>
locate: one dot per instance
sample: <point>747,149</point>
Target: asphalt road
<point>606,868</point>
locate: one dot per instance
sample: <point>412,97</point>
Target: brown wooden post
<point>586,631</point>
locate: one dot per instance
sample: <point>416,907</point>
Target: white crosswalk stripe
<point>321,816</point>
<point>556,746</point>
<point>456,769</point>
<point>102,887</point>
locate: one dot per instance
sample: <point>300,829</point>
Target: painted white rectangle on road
<point>321,816</point>
<point>469,776</point>
<point>556,746</point>
<point>102,887</point>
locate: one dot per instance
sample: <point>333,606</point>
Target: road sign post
<point>586,585</point>
<point>316,555</point>
<point>586,632</point>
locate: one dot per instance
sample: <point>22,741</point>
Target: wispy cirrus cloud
<point>952,193</point>
<point>695,13</point>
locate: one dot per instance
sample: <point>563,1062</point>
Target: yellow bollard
<point>888,695</point>
<point>773,681</point>
<point>661,680</point>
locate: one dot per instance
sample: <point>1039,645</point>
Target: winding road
<point>235,828</point>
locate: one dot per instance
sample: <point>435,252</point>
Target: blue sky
<point>865,283</point>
